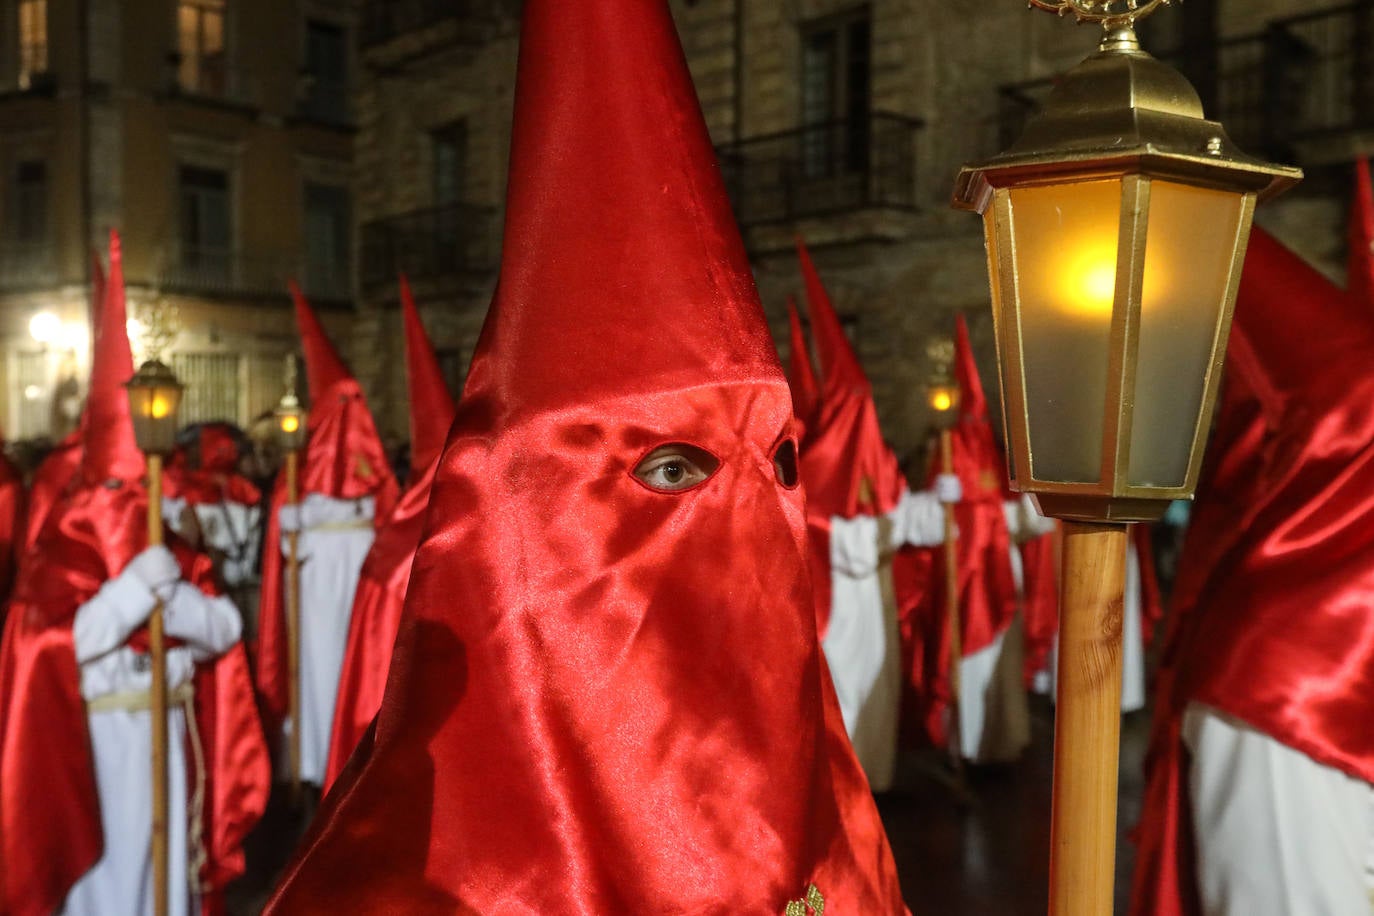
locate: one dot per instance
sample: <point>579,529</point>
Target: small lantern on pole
<point>1116,227</point>
<point>943,399</point>
<point>154,396</point>
<point>290,419</point>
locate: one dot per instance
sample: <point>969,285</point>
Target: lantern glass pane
<point>1188,255</point>
<point>1064,240</point>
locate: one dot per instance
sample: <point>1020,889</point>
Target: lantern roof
<point>1122,111</point>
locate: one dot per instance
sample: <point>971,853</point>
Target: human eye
<point>676,467</point>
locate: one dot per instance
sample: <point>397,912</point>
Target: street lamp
<point>1116,227</point>
<point>44,327</point>
<point>154,395</point>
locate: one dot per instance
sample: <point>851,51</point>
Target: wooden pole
<point>956,641</point>
<point>1087,720</point>
<point>157,648</point>
<point>293,624</point>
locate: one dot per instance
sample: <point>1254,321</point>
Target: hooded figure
<point>801,375</point>
<point>207,501</point>
<point>859,513</point>
<point>1260,774</point>
<point>346,489</point>
<point>75,728</point>
<point>607,694</point>
<point>386,572</point>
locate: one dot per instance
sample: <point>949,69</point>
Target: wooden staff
<point>956,640</point>
<point>293,624</point>
<point>157,648</point>
<point>1087,720</point>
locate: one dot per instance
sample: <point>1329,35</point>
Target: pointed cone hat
<point>839,364</point>
<point>801,376</point>
<point>1360,259</point>
<point>431,405</point>
<point>972,402</point>
<point>110,451</point>
<point>577,719</point>
<point>323,366</point>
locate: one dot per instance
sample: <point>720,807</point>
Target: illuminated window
<point>33,41</point>
<point>200,44</point>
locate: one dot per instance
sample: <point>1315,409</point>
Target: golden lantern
<point>289,415</point>
<point>154,396</point>
<point>1116,227</point>
<point>942,390</point>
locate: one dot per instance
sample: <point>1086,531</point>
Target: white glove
<point>156,568</point>
<point>289,518</point>
<point>948,489</point>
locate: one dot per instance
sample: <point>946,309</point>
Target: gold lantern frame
<point>154,383</point>
<point>1123,116</point>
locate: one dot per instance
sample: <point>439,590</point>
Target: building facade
<point>843,123</point>
<point>216,135</point>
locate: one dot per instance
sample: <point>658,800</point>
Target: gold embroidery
<point>813,904</point>
<point>362,465</point>
<point>988,481</point>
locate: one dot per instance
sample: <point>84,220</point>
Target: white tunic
<point>862,646</point>
<point>1277,832</point>
<point>333,543</point>
<point>121,739</point>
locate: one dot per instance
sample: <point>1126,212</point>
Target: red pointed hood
<point>973,404</point>
<point>344,458</point>
<point>110,452</point>
<point>431,405</point>
<point>840,367</point>
<point>1360,259</point>
<point>801,377</point>
<point>553,738</point>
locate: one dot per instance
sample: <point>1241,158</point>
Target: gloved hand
<point>948,489</point>
<point>156,568</point>
<point>289,518</point>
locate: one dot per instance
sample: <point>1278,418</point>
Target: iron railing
<point>385,20</point>
<point>821,169</point>
<point>1325,66</point>
<point>234,273</point>
<point>452,246</point>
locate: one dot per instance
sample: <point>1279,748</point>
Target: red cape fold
<point>987,589</point>
<point>13,527</point>
<point>1040,604</point>
<point>605,697</point>
<point>44,744</point>
<point>343,459</point>
<point>1272,622</point>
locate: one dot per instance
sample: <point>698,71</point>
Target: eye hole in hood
<point>785,463</point>
<point>676,467</point>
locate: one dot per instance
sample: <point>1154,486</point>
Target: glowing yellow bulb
<point>289,423</point>
<point>160,407</point>
<point>1090,280</point>
<point>941,401</point>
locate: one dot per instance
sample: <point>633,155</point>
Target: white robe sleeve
<point>105,621</point>
<point>854,546</point>
<point>1024,521</point>
<point>329,515</point>
<point>918,520</point>
<point>208,625</point>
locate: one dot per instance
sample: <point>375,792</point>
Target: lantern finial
<point>1112,14</point>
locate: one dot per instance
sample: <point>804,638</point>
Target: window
<point>28,209</point>
<point>835,100</point>
<point>206,230</point>
<point>328,241</point>
<point>212,386</point>
<point>326,67</point>
<point>200,46</point>
<point>33,41</point>
<point>449,146</point>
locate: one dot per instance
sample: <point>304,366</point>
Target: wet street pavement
<point>989,857</point>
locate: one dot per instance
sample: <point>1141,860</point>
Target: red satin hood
<point>605,698</point>
<point>1360,264</point>
<point>801,377</point>
<point>431,406</point>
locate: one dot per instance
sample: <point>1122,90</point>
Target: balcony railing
<point>824,169</point>
<point>451,247</point>
<point>233,273</point>
<point>467,20</point>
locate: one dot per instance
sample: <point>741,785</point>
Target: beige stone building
<point>216,135</point>
<point>840,121</point>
